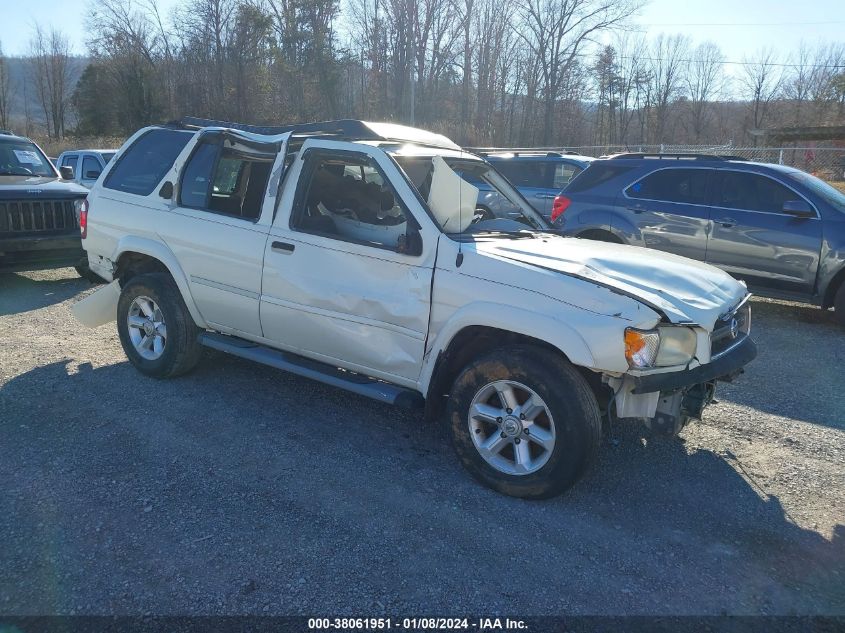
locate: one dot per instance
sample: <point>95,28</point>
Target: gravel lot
<point>240,489</point>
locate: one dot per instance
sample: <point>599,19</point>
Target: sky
<point>739,27</point>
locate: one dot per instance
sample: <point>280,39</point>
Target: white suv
<point>352,253</point>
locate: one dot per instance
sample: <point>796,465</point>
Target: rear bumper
<point>34,252</point>
<point>723,368</point>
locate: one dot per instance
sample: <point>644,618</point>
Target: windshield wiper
<point>516,235</point>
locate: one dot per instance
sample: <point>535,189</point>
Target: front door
<point>669,210</point>
<point>347,275</point>
<point>753,238</point>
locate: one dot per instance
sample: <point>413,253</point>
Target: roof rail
<point>345,129</point>
<point>516,151</point>
<point>676,156</point>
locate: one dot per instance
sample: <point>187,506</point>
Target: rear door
<point>753,239</point>
<point>668,208</point>
<point>218,226</point>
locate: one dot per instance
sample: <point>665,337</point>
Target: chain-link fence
<point>827,163</point>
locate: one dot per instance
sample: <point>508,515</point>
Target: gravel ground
<point>242,490</point>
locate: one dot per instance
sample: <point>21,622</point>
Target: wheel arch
<point>487,327</point>
<point>135,256</point>
<point>832,288</point>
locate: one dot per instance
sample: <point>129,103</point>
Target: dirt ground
<point>239,489</point>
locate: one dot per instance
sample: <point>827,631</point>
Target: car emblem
<point>734,328</point>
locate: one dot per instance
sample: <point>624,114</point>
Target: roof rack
<point>345,129</point>
<point>676,156</point>
<point>7,132</point>
<point>516,151</point>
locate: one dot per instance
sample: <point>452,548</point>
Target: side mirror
<point>166,190</point>
<point>66,172</point>
<point>798,209</point>
<point>411,242</point>
<point>92,175</point>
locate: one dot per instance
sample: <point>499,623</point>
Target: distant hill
<point>24,94</point>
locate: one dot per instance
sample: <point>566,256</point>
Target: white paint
<point>99,307</point>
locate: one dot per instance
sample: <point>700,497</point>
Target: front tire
<point>524,422</point>
<point>156,330</point>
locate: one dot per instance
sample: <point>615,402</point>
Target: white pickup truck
<point>352,253</point>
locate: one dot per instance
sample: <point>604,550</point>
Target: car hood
<point>31,186</point>
<point>684,290</point>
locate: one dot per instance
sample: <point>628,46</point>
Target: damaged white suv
<point>352,253</point>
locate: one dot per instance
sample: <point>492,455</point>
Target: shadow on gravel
<point>798,370</point>
<point>240,489</point>
<point>19,293</point>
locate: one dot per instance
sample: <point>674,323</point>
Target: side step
<point>295,364</point>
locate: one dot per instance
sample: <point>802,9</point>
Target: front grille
<point>730,330</point>
<point>36,216</point>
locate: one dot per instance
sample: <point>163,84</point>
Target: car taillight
<point>560,204</point>
<point>83,219</point>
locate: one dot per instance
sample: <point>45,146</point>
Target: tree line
<point>485,72</point>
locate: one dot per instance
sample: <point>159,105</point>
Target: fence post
<point>780,157</point>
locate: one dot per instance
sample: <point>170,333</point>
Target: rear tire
<point>156,330</point>
<point>839,305</point>
<point>494,446</point>
<point>600,236</point>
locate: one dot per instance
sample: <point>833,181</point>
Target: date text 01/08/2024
<point>416,624</point>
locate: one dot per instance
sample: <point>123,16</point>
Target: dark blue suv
<point>778,228</point>
<point>539,175</point>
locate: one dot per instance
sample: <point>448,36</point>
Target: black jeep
<point>39,210</point>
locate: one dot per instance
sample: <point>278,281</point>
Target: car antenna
<point>460,258</point>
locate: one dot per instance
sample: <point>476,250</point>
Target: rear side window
<point>564,172</point>
<point>144,163</point>
<point>685,186</point>
<point>595,175</point>
<point>90,168</point>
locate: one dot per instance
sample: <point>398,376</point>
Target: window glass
<point>564,172</point>
<point>23,158</point>
<point>197,175</point>
<point>687,186</point>
<point>143,165</point>
<point>830,194</point>
<point>751,192</point>
<point>70,161</point>
<point>346,198</point>
<point>599,172</point>
<point>526,173</point>
<point>90,168</point>
<point>237,186</point>
<point>107,156</point>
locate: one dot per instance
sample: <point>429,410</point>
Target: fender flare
<point>503,317</point>
<point>158,250</point>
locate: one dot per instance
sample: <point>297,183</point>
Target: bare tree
<point>5,91</point>
<point>761,80</point>
<point>705,80</point>
<point>555,32</point>
<point>52,74</point>
<point>669,56</point>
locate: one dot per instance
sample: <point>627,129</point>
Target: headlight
<point>663,347</point>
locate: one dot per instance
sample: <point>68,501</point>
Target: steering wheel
<point>481,214</point>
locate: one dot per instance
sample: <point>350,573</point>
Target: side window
<point>686,186</point>
<point>564,172</point>
<point>526,173</point>
<point>90,168</point>
<point>750,192</point>
<point>71,161</point>
<point>143,165</point>
<point>347,198</point>
<point>232,184</point>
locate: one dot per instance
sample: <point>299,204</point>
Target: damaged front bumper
<point>667,400</point>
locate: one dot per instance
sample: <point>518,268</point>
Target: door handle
<point>283,247</point>
<point>726,222</point>
<point>636,208</point>
<point>544,196</point>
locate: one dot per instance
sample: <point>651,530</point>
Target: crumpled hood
<point>685,290</point>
